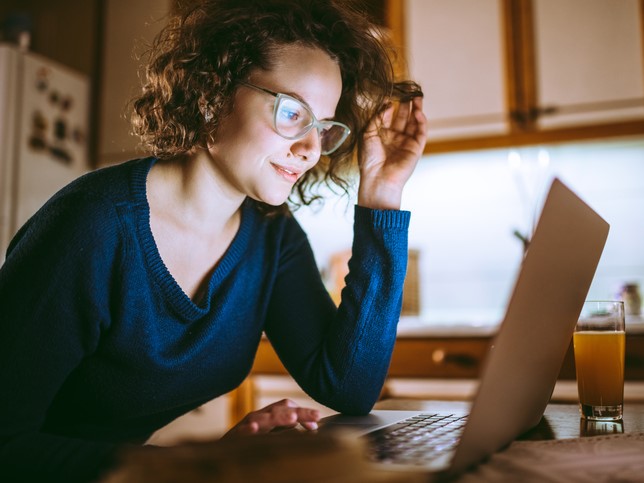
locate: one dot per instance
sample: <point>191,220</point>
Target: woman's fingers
<point>401,119</point>
<point>282,414</point>
<point>417,126</point>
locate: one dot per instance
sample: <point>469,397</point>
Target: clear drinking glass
<point>599,345</point>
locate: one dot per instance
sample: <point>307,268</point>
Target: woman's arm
<point>54,294</point>
<point>340,356</point>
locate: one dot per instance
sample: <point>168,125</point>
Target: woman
<point>141,291</point>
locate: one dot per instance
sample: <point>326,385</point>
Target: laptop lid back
<point>525,358</point>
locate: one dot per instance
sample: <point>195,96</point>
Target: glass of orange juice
<point>599,344</point>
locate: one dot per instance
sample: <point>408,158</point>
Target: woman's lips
<point>286,173</point>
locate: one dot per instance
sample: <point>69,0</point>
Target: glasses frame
<point>315,123</point>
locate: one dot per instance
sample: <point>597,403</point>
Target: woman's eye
<point>291,111</point>
<point>289,115</point>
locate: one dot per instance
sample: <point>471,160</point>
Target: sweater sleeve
<point>340,357</point>
<point>54,298</point>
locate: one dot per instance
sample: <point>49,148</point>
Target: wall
<point>466,206</point>
<point>130,28</point>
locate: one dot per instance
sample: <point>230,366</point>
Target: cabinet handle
<point>580,108</point>
<point>532,114</point>
<point>441,357</point>
<point>520,117</point>
<point>537,112</point>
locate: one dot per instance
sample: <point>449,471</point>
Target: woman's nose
<point>308,148</point>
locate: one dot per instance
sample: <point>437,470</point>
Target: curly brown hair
<point>205,50</point>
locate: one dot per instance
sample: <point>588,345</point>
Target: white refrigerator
<point>44,120</point>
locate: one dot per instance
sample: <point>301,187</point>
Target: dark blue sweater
<point>100,347</point>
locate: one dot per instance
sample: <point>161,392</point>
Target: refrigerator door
<point>52,142</point>
<point>49,142</point>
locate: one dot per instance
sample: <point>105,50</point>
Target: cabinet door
<point>455,50</point>
<point>589,61</point>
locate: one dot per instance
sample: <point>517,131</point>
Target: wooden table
<point>561,425</point>
<point>560,421</point>
<point>259,458</point>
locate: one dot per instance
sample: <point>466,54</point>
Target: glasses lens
<point>292,118</point>
<point>331,137</point>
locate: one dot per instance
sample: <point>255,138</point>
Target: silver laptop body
<point>521,368</point>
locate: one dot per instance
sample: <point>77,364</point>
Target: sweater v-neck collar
<point>172,292</point>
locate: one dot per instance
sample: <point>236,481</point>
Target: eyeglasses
<point>293,119</point>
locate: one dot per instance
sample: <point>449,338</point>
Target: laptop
<point>524,360</point>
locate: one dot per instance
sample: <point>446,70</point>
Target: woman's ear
<point>206,109</point>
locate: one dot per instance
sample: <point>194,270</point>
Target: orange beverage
<point>599,359</point>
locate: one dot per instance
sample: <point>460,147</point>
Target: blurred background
<point>516,92</point>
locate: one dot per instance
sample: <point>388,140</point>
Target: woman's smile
<point>289,174</point>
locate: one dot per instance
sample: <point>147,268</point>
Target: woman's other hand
<point>393,144</point>
<point>283,414</point>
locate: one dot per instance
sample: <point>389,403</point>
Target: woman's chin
<point>272,200</point>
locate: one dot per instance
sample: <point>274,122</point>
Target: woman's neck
<point>188,189</point>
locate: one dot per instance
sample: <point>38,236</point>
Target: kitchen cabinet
<point>589,61</point>
<point>455,51</point>
<point>501,73</point>
<point>460,357</point>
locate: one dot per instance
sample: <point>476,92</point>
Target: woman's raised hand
<point>393,144</point>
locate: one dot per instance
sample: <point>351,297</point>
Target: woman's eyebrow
<point>295,95</point>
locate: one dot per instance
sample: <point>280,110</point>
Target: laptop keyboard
<point>417,440</point>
